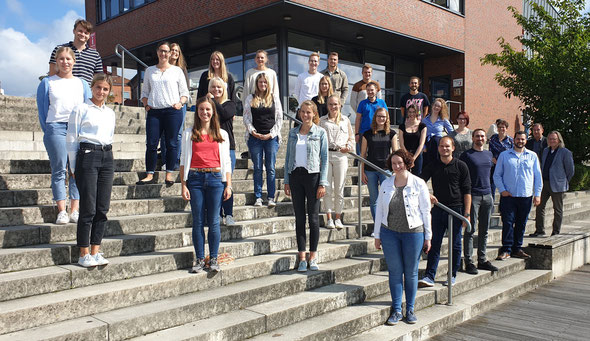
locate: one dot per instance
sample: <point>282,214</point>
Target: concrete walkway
<point>559,310</point>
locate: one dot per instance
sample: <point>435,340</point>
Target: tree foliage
<point>550,72</point>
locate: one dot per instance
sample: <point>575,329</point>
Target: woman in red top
<point>204,165</point>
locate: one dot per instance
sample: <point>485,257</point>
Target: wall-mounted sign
<point>92,40</point>
<point>457,82</point>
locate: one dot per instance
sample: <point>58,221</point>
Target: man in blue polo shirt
<point>365,112</point>
<point>519,180</point>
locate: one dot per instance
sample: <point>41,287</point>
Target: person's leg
<point>163,147</point>
<point>213,196</point>
<point>87,171</point>
<point>341,167</point>
<point>457,228</point>
<point>417,170</point>
<point>373,185</point>
<point>153,130</point>
<point>391,242</point>
<point>411,247</point>
<point>483,224</point>
<point>271,147</point>
<point>439,225</point>
<point>523,208</point>
<point>103,197</point>
<point>227,207</point>
<point>179,139</point>
<point>298,200</point>
<point>508,213</point>
<point>255,149</point>
<point>476,201</point>
<point>313,211</point>
<point>196,186</point>
<point>54,140</point>
<point>330,192</point>
<point>172,123</point>
<point>540,210</point>
<point>557,198</point>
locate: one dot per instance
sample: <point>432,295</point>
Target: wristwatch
<point>467,215</point>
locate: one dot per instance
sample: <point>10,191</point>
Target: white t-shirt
<point>301,151</point>
<point>64,95</point>
<point>307,86</point>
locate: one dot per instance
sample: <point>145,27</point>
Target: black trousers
<point>304,187</point>
<point>94,178</point>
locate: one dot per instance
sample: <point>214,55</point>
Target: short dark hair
<point>405,155</point>
<point>333,54</point>
<point>416,78</point>
<point>372,83</point>
<point>521,132</point>
<point>476,130</point>
<point>502,122</point>
<point>447,137</point>
<point>86,24</point>
<point>102,77</point>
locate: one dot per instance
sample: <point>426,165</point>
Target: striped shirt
<point>88,61</point>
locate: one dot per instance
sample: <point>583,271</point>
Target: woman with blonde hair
<point>437,123</point>
<point>217,68</point>
<point>250,83</point>
<point>340,141</point>
<point>325,90</point>
<point>263,118</point>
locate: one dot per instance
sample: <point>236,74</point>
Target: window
<point>108,9</point>
<point>114,8</point>
<point>453,5</point>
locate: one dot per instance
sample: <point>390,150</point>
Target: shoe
<point>229,220</point>
<point>199,266</point>
<point>537,234</point>
<point>271,203</point>
<point>146,182</point>
<point>213,265</point>
<point>395,317</point>
<point>245,155</point>
<point>487,265</point>
<point>87,261</point>
<point>554,233</point>
<point>313,265</point>
<point>521,254</point>
<point>425,282</point>
<point>470,268</point>
<point>258,202</point>
<point>330,224</point>
<point>453,280</point>
<point>411,317</point>
<point>62,218</point>
<point>338,224</point>
<point>74,216</point>
<point>503,255</point>
<point>100,260</point>
<point>302,266</point>
<point>169,183</point>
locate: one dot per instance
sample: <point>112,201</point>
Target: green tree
<point>550,72</point>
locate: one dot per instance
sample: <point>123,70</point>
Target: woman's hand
<point>186,195</point>
<point>365,179</point>
<point>227,192</point>
<point>177,106</point>
<point>287,189</point>
<point>210,95</point>
<point>147,108</point>
<point>321,192</point>
<point>378,244</point>
<point>344,150</point>
<point>426,246</point>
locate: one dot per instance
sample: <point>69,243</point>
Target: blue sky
<point>31,29</point>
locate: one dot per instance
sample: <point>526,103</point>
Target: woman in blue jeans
<point>402,229</point>
<point>377,143</point>
<point>163,95</point>
<point>57,96</point>
<point>204,166</point>
<point>263,118</point>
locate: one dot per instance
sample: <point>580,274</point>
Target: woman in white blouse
<point>89,143</point>
<point>163,94</point>
<point>252,74</point>
<point>340,142</point>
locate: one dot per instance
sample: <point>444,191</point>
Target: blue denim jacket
<point>317,153</point>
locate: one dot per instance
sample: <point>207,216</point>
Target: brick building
<point>441,41</point>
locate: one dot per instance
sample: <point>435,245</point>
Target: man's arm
<point>344,90</point>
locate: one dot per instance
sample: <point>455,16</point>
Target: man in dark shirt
<point>538,142</point>
<point>479,162</point>
<point>451,185</point>
<point>415,97</point>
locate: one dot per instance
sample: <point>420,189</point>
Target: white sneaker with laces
<point>258,202</point>
<point>74,217</point>
<point>229,220</point>
<point>271,203</point>
<point>87,261</point>
<point>330,224</point>
<point>100,260</point>
<point>338,224</point>
<point>62,218</point>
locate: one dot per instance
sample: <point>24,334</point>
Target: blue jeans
<point>268,149</point>
<point>440,222</point>
<point>374,180</point>
<point>515,212</point>
<point>206,190</point>
<point>227,207</point>
<point>402,254</point>
<point>158,121</point>
<point>54,139</point>
<point>417,169</point>
<point>163,141</point>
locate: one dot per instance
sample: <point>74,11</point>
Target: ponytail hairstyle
<point>214,130</point>
<point>339,116</point>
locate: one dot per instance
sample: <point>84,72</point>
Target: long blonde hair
<point>219,81</point>
<point>314,108</point>
<point>180,62</point>
<point>444,111</point>
<point>386,124</point>
<point>339,116</point>
<point>263,99</point>
<point>222,67</point>
<point>322,98</point>
<point>214,130</point>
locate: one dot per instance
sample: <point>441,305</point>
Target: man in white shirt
<point>308,82</point>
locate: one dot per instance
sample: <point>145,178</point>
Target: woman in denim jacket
<point>402,227</point>
<point>306,178</point>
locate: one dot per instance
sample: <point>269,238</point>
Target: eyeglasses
<point>164,51</point>
<point>381,116</point>
<point>461,119</point>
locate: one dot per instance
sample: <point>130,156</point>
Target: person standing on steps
<point>306,178</point>
<point>308,82</point>
<point>324,91</point>
<point>479,162</point>
<point>250,80</point>
<point>163,94</point>
<point>91,129</point>
<point>365,111</point>
<point>337,77</point>
<point>437,123</point>
<point>217,68</point>
<point>340,141</point>
<point>519,181</point>
<point>205,165</point>
<point>402,228</point>
<point>451,184</point>
<point>412,137</point>
<point>557,168</point>
<point>57,96</point>
<point>499,142</point>
<point>415,97</point>
<point>538,143</point>
<point>462,135</point>
<point>359,89</point>
<point>263,118</point>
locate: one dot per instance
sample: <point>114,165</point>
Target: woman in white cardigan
<point>402,228</point>
<point>204,165</point>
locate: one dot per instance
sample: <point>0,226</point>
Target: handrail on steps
<point>122,56</point>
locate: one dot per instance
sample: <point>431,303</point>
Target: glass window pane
<point>273,61</point>
<point>265,43</point>
<point>114,8</point>
<point>236,70</point>
<point>350,54</point>
<point>103,10</point>
<point>378,61</point>
<point>401,83</point>
<point>297,64</point>
<point>407,67</point>
<point>306,44</point>
<point>126,5</point>
<point>292,100</point>
<point>138,3</point>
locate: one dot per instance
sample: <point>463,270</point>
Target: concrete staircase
<point>146,292</point>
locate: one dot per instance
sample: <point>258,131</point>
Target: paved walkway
<point>559,310</point>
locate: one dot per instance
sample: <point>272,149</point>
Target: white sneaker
<point>258,202</point>
<point>338,224</point>
<point>271,203</point>
<point>62,218</point>
<point>330,224</point>
<point>87,261</point>
<point>229,220</point>
<point>74,217</point>
<point>100,260</point>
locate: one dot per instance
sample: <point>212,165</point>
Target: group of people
<point>79,129</point>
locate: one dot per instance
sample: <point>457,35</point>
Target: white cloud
<point>24,61</point>
<point>15,6</point>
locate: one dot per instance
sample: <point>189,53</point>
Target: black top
<point>378,147</point>
<point>322,108</point>
<point>263,119</point>
<point>537,147</point>
<point>419,99</point>
<point>548,162</point>
<point>226,112</point>
<point>449,182</point>
<point>480,167</point>
<point>412,140</point>
<point>204,86</point>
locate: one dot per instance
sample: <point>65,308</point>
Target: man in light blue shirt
<point>518,178</point>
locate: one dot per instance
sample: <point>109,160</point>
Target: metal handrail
<point>122,56</point>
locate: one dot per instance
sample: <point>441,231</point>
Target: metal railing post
<point>122,56</point>
<point>123,78</point>
<point>360,201</point>
<point>450,262</point>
